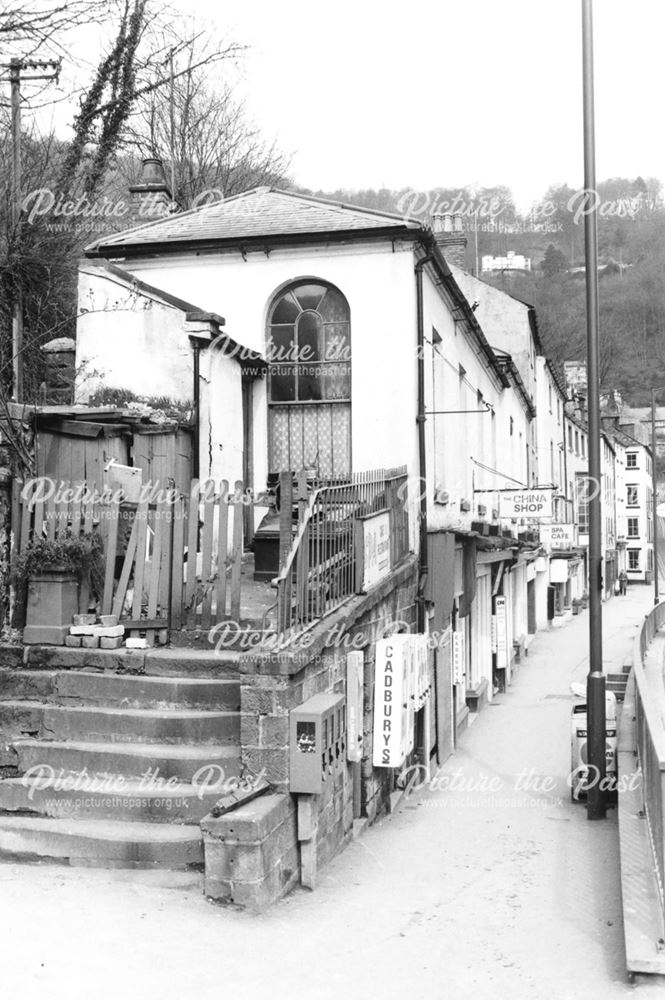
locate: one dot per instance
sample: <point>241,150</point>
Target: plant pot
<point>50,607</point>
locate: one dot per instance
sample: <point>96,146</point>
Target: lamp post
<point>596,739</point>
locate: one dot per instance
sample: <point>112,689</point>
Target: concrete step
<point>116,725</point>
<point>129,759</point>
<point>79,687</point>
<point>100,843</point>
<point>118,798</point>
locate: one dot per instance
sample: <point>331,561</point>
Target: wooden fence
<point>174,563</point>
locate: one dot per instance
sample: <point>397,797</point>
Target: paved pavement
<point>488,883</point>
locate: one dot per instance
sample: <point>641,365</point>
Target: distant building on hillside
<point>511,262</point>
<point>575,375</point>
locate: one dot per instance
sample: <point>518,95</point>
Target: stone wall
<point>274,684</point>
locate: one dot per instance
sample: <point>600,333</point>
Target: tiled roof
<point>263,212</point>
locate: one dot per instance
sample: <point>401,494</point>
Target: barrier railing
<point>320,571</point>
<point>651,746</point>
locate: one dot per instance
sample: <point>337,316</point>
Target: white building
<point>511,262</point>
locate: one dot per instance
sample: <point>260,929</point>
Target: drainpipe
<point>422,453</point>
<point>196,346</point>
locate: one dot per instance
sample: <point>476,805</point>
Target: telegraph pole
<point>596,798</point>
<point>16,68</point>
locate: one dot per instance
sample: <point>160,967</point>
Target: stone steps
<point>99,843</point>
<point>162,760</point>
<point>120,798</point>
<point>117,725</point>
<point>71,687</point>
<point>109,768</point>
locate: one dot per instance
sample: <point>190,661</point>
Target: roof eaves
<point>244,244</point>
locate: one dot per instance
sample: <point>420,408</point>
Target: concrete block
<point>83,629</point>
<point>137,643</point>
<point>108,621</point>
<point>73,641</point>
<point>107,642</point>
<point>89,641</point>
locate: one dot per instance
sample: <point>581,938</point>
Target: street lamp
<point>596,805</point>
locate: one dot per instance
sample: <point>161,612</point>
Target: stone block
<point>274,731</point>
<point>257,701</point>
<point>110,642</point>
<point>110,631</point>
<point>84,620</point>
<point>73,641</point>
<point>83,629</point>
<point>136,643</point>
<point>108,621</point>
<point>90,642</point>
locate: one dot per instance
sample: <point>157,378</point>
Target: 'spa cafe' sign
<point>535,503</point>
<point>558,536</point>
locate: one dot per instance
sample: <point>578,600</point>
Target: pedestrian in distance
<point>623,582</point>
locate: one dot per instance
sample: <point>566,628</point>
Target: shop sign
<point>535,503</point>
<point>558,536</point>
<point>558,570</point>
<point>394,684</point>
<point>374,548</point>
<point>501,632</point>
<point>355,668</point>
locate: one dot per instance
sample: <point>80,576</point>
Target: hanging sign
<point>394,696</point>
<point>501,632</point>
<point>558,536</point>
<point>535,503</point>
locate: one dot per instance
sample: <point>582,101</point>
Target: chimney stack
<point>152,197</point>
<point>450,237</point>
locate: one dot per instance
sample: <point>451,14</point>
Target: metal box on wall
<point>317,741</point>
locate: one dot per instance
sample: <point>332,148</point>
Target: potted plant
<point>51,571</point>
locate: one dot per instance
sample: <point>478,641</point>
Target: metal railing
<point>651,746</point>
<point>320,572</point>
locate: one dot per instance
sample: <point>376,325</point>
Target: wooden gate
<point>170,564</point>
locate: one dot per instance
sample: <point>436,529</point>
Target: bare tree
<point>203,134</point>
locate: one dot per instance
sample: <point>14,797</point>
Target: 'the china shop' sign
<point>536,503</point>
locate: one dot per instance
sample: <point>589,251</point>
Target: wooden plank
<point>192,551</point>
<point>49,517</point>
<point>119,598</point>
<point>285,515</point>
<point>110,554</point>
<point>206,551</point>
<point>164,590</point>
<point>15,521</point>
<point>140,565</point>
<point>222,551</point>
<point>178,535</point>
<point>26,517</point>
<point>38,518</point>
<point>237,554</point>
<point>155,568</point>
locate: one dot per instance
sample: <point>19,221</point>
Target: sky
<point>449,93</point>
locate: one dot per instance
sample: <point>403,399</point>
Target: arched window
<point>309,380</point>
